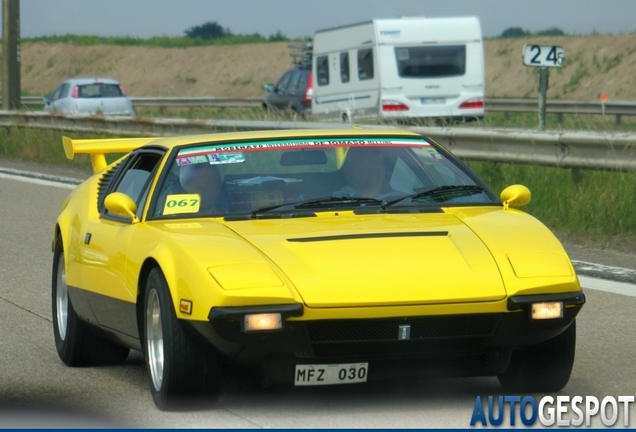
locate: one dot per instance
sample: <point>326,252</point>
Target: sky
<point>145,18</point>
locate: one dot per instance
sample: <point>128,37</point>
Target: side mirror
<point>515,196</point>
<point>270,88</point>
<point>46,99</point>
<point>121,205</point>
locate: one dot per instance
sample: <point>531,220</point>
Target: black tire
<point>184,373</point>
<point>75,343</point>
<point>542,368</point>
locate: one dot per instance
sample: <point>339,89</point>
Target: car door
<point>106,245</point>
<point>279,98</point>
<point>54,105</point>
<point>296,90</point>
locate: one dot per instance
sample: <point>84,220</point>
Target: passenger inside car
<point>365,173</point>
<point>206,180</point>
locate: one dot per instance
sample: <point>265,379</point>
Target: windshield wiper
<point>472,189</point>
<point>318,202</point>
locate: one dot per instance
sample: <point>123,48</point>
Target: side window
<point>403,178</point>
<point>294,81</point>
<point>56,94</point>
<point>283,83</point>
<point>64,90</point>
<point>344,67</point>
<point>135,181</point>
<point>365,64</point>
<point>322,70</point>
<point>302,81</point>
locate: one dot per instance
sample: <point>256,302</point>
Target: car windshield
<point>315,174</point>
<point>99,90</point>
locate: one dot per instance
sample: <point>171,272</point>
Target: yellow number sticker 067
<point>182,203</point>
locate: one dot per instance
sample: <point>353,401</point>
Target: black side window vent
<point>102,187</point>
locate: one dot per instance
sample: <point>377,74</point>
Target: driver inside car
<point>205,180</point>
<point>365,172</point>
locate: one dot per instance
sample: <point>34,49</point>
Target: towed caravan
<point>412,67</point>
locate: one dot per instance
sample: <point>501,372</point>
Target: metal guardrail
<point>614,151</point>
<point>192,102</point>
<point>561,107</point>
<point>169,102</point>
<point>618,108</point>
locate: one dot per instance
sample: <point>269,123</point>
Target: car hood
<point>363,260</point>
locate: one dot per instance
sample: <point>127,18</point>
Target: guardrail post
<point>506,116</point>
<point>543,89</point>
<point>577,176</point>
<point>560,118</point>
<point>618,119</point>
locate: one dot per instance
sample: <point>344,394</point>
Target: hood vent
<point>370,236</point>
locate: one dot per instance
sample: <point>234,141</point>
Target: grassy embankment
<point>600,206</point>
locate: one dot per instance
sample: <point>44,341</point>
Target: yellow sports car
<point>317,257</point>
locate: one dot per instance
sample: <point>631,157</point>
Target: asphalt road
<point>36,389</point>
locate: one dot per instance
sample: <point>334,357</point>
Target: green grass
<point>156,41</point>
<point>213,113</point>
<point>42,146</point>
<point>597,204</point>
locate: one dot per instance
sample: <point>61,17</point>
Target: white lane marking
<point>37,181</point>
<point>601,268</point>
<point>62,179</point>
<point>608,286</point>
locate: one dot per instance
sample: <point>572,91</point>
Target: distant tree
<point>256,36</point>
<point>514,32</point>
<point>278,37</point>
<point>552,31</point>
<point>209,30</point>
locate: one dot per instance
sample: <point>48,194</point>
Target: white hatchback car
<point>95,96</point>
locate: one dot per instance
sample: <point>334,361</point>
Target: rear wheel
<point>74,342</point>
<point>184,374</point>
<point>544,367</point>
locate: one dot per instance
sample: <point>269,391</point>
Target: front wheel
<point>75,344</point>
<point>544,367</point>
<point>184,374</point>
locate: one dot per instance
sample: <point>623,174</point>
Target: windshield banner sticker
<point>226,158</point>
<point>181,161</point>
<point>434,153</point>
<point>211,157</point>
<point>189,153</point>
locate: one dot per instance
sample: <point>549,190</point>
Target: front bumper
<point>440,345</point>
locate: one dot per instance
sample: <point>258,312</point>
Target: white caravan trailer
<point>400,68</point>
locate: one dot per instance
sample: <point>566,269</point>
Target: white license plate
<point>433,101</point>
<point>310,375</point>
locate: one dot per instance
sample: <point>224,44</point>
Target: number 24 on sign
<point>543,55</point>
